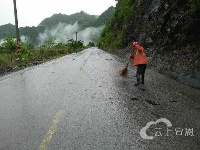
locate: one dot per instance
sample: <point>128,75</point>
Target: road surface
<point>79,102</point>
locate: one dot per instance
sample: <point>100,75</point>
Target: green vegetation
<point>104,17</point>
<point>111,36</point>
<point>83,19</point>
<point>29,55</point>
<point>7,30</point>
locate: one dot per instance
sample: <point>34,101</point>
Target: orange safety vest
<point>139,57</point>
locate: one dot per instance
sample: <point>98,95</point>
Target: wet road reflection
<point>80,102</point>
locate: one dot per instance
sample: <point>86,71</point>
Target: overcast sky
<point>32,12</point>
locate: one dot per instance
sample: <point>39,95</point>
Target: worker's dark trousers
<point>140,73</point>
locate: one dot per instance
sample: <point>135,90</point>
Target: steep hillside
<point>7,30</point>
<point>168,29</point>
<point>84,19</point>
<point>32,33</point>
<point>104,17</point>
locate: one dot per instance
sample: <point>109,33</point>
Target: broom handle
<point>127,63</point>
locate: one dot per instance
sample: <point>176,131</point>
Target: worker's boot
<point>138,79</point>
<point>142,79</point>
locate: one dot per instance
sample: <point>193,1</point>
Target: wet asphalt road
<point>79,102</point>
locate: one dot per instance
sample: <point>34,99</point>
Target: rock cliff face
<point>166,25</point>
<point>170,31</point>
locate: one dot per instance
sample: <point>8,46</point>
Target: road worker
<point>139,60</point>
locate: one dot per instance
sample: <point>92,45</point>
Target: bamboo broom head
<point>124,72</point>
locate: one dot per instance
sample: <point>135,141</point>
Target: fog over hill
<point>62,32</point>
<point>62,27</point>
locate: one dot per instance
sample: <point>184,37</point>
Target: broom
<point>124,71</point>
